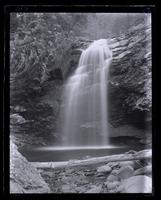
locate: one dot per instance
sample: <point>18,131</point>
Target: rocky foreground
<point>86,176</point>
<point>113,177</point>
<point>24,178</point>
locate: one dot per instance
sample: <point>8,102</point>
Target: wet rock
<point>81,189</point>
<point>82,182</point>
<point>115,172</point>
<point>112,178</point>
<point>69,170</point>
<point>127,163</point>
<point>125,172</point>
<point>100,178</point>
<point>100,174</point>
<point>95,189</point>
<point>104,169</point>
<point>89,173</point>
<point>119,189</point>
<point>147,170</point>
<point>87,170</point>
<point>137,184</point>
<point>113,164</point>
<point>24,178</point>
<point>111,185</point>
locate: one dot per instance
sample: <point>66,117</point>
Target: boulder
<point>115,171</point>
<point>113,164</point>
<point>127,163</point>
<point>119,189</point>
<point>24,178</point>
<point>111,185</point>
<point>99,174</point>
<point>137,184</point>
<point>89,173</point>
<point>112,178</point>
<point>147,170</point>
<point>125,172</point>
<point>104,169</point>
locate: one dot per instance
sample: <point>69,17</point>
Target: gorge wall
<point>129,91</point>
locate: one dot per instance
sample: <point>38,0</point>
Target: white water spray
<point>84,115</point>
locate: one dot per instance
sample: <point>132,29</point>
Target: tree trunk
<point>145,154</point>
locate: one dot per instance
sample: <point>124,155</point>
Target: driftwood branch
<point>145,154</point>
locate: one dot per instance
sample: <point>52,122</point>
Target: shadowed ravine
<point>85,99</point>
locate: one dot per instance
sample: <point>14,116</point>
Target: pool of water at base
<point>49,154</point>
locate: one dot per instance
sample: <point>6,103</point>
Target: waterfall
<point>84,113</point>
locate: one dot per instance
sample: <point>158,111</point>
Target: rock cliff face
<point>129,85</point>
<point>129,89</point>
<point>130,77</point>
<point>24,178</point>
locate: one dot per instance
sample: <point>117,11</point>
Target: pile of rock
<point>134,176</point>
<point>126,177</point>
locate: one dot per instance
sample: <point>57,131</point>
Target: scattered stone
<point>112,178</point>
<point>89,173</point>
<point>144,170</point>
<point>111,185</point>
<point>87,170</point>
<point>82,182</point>
<point>115,172</point>
<point>119,189</point>
<point>137,184</point>
<point>64,179</point>
<point>95,189</point>
<point>104,169</point>
<point>125,172</point>
<point>127,163</point>
<point>100,178</point>
<point>100,174</point>
<point>70,171</point>
<point>113,164</point>
<point>112,191</point>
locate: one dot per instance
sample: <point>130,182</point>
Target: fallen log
<point>145,154</point>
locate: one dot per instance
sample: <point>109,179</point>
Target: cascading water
<point>84,111</point>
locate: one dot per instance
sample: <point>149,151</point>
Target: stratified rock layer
<point>130,77</point>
